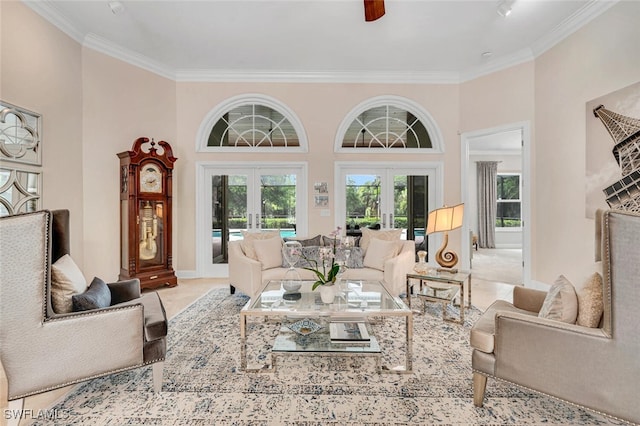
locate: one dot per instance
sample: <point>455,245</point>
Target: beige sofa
<point>592,366</point>
<point>247,274</point>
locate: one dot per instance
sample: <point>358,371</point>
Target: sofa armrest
<point>528,299</point>
<point>245,274</point>
<point>396,269</point>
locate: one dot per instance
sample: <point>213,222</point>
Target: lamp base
<point>446,259</point>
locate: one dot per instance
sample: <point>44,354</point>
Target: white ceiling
<point>319,40</point>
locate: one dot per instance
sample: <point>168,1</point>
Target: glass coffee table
<point>305,321</point>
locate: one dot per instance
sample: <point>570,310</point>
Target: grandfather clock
<point>145,213</point>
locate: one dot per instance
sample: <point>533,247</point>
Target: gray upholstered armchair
<point>597,368</point>
<point>40,349</point>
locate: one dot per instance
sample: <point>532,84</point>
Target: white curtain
<point>487,203</point>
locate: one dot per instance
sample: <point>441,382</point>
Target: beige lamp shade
<point>445,219</point>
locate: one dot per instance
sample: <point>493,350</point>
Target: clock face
<point>150,179</point>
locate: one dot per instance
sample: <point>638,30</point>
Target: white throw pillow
<point>561,302</point>
<point>66,280</point>
<point>379,252</point>
<point>249,237</point>
<point>370,234</point>
<point>269,252</point>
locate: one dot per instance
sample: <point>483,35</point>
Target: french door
<point>380,196</point>
<point>246,197</point>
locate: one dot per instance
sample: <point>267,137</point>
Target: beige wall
<point>121,103</point>
<point>95,106</point>
<point>600,58</point>
<point>41,71</point>
<point>321,109</point>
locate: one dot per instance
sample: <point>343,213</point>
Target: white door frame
<point>204,267</point>
<point>433,169</point>
<point>466,138</point>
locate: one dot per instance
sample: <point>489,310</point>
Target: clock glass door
<point>150,233</point>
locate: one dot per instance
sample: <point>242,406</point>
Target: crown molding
<point>499,64</point>
<point>573,23</point>
<point>390,77</point>
<point>92,41</point>
<point>48,11</point>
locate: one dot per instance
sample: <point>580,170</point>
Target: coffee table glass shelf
<point>305,321</point>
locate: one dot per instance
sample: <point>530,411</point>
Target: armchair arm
<point>560,359</point>
<point>396,269</point>
<point>116,333</point>
<point>528,299</point>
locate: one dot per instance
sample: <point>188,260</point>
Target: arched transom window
<point>252,122</point>
<point>389,124</point>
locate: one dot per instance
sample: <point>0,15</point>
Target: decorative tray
<point>305,327</point>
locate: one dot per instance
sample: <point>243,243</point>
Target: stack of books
<point>348,332</point>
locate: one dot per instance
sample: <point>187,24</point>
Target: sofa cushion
<point>590,302</point>
<point>66,280</point>
<point>310,253</point>
<point>483,331</point>
<point>306,242</point>
<point>269,252</point>
<point>249,237</point>
<point>97,296</point>
<point>387,235</point>
<point>378,252</point>
<point>561,302</point>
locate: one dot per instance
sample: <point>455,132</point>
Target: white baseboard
<point>187,274</point>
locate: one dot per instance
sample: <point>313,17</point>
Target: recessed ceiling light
<point>116,7</point>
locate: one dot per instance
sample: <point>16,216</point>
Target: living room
<point>95,104</point>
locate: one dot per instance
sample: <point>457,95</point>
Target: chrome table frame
<point>342,310</point>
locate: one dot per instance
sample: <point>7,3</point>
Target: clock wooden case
<point>145,213</point>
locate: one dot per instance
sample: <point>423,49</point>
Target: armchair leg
<point>157,376</point>
<point>479,386</point>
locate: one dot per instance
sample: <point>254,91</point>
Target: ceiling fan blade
<point>373,9</point>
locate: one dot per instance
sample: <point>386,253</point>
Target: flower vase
<point>327,293</point>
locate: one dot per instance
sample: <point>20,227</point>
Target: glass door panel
<point>362,202</point>
<point>278,203</point>
<point>247,198</point>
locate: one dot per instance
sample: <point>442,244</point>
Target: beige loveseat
<point>592,365</point>
<point>248,274</point>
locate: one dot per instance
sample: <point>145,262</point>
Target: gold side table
<point>454,286</point>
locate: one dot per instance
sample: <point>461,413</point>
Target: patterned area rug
<point>203,384</point>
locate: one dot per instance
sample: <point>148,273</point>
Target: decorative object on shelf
<point>145,213</point>
<point>291,253</point>
<point>330,268</point>
<point>421,267</point>
<point>445,219</point>
<point>305,327</point>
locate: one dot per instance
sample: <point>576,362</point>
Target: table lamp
<point>444,220</point>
